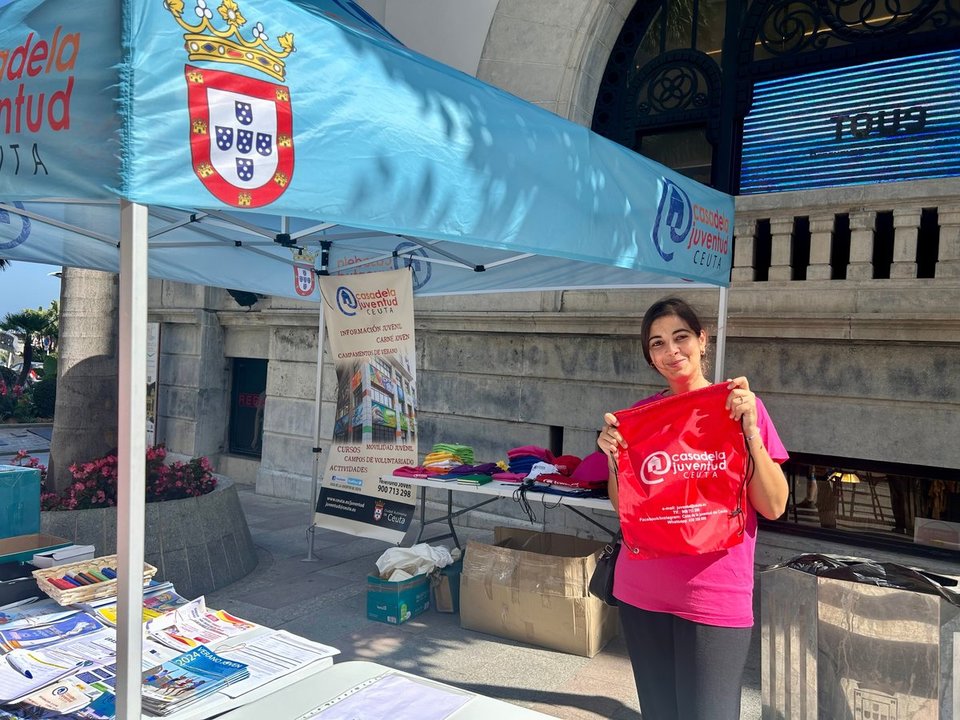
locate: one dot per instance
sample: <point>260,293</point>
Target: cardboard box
<point>19,501</point>
<point>939,533</point>
<point>445,588</point>
<point>532,587</point>
<point>397,602</point>
<point>22,548</point>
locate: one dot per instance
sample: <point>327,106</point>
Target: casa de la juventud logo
<point>703,232</point>
<point>241,128</point>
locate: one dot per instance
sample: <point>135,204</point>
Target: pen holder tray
<point>85,593</point>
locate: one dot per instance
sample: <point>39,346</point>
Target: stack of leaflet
<point>37,655</point>
<point>185,679</point>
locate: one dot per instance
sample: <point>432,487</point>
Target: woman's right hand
<point>610,440</point>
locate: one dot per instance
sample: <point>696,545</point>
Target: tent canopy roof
<point>260,131</point>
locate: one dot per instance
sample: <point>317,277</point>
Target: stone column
<point>862,223</point>
<point>781,231</point>
<point>744,241</point>
<point>821,241</point>
<point>948,262</point>
<point>906,229</point>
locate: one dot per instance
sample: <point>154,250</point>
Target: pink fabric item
<point>592,469</point>
<point>411,471</point>
<point>533,451</point>
<point>712,589</point>
<point>509,477</point>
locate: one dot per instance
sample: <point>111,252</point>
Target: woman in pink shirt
<point>687,620</point>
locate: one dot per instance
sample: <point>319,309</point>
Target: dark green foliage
<point>44,396</point>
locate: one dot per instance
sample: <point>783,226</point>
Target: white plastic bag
<point>399,563</point>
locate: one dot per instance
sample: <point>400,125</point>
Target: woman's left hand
<point>742,405</point>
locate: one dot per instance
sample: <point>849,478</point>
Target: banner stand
<point>318,400</point>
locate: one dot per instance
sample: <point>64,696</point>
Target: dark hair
<point>664,308</point>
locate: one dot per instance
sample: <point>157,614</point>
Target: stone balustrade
<point>893,231</point>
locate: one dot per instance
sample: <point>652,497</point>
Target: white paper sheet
<point>397,697</point>
<point>271,656</point>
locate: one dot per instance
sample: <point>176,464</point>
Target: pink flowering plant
<point>12,401</point>
<point>94,483</point>
<point>48,500</point>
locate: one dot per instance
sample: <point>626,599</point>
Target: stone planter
<point>199,544</point>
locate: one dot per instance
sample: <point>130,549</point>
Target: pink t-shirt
<point>711,589</point>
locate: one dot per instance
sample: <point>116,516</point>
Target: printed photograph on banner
<point>369,322</point>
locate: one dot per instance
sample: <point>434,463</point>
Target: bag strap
<point>749,466</point>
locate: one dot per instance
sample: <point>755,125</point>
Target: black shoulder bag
<point>601,582</point>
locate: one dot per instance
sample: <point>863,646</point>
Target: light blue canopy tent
<point>248,144</point>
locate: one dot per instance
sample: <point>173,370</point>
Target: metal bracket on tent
<point>284,239</point>
<point>432,247</point>
<point>324,257</point>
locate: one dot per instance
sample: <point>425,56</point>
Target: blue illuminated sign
<point>879,122</point>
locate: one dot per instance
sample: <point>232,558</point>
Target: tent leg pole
<point>131,443</point>
<point>718,375</point>
<point>318,398</point>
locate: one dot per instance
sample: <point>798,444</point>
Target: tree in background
<point>85,421</point>
<point>26,325</point>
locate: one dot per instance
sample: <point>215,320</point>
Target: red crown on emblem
<point>203,41</point>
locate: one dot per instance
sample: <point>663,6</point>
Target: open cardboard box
<point>532,586</point>
<point>22,548</point>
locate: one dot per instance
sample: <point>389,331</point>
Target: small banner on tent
<point>369,321</point>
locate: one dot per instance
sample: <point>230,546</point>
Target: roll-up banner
<point>153,376</point>
<point>369,321</point>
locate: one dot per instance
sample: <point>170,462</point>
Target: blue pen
<point>18,667</point>
<point>70,579</point>
<point>109,572</point>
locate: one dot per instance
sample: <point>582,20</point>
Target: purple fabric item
<point>482,469</point>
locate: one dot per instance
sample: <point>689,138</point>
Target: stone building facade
<point>844,307</point>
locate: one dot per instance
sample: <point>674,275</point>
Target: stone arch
<point>553,54</point>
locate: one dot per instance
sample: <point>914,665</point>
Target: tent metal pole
<point>131,437</point>
<point>318,399</point>
<point>718,375</point>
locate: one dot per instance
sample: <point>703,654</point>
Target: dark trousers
<point>684,670</point>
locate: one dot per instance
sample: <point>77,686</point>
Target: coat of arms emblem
<point>241,128</point>
<point>378,510</point>
<point>304,274</point>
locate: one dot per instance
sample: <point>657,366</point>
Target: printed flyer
<point>369,321</point>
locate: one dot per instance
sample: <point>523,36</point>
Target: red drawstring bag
<point>682,477</point>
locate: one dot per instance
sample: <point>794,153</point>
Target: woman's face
<point>675,349</point>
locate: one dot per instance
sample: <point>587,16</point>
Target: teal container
<point>452,574</point>
<point>397,602</point>
<point>19,501</point>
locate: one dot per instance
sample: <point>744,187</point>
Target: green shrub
<point>43,393</point>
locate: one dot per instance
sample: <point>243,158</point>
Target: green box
<point>19,501</point>
<point>397,602</point>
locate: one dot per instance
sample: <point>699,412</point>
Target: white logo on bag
<point>686,465</point>
<point>654,467</point>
